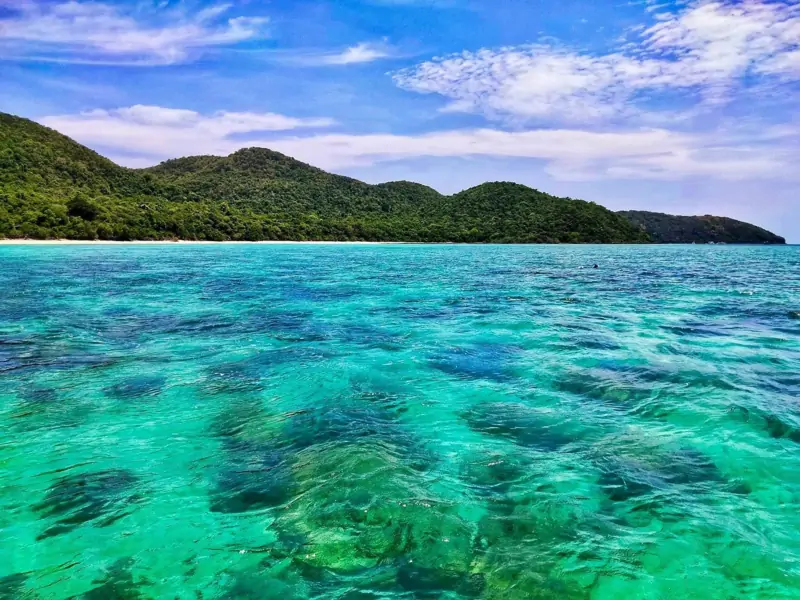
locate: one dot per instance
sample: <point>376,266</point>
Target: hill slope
<point>672,229</point>
<point>52,187</point>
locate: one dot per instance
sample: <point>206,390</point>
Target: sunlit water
<point>355,422</point>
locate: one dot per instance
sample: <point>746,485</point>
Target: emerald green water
<point>355,422</point>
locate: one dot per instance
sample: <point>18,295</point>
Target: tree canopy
<point>52,187</point>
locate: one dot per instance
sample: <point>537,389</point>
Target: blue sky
<point>683,107</point>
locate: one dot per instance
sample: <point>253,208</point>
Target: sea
<point>354,422</point>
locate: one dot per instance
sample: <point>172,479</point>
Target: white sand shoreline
<point>28,242</point>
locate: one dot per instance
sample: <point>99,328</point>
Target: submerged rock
<point>141,386</point>
<point>520,423</point>
<point>100,498</point>
<point>240,377</point>
<point>289,326</point>
<point>616,392</point>
<point>250,586</point>
<point>625,479</point>
<point>358,507</point>
<point>118,583</point>
<point>480,361</point>
<point>251,481</point>
<point>13,587</point>
<point>432,583</point>
<point>494,474</point>
<point>255,473</point>
<point>777,428</point>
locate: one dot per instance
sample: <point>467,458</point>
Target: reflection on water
<point>365,422</point>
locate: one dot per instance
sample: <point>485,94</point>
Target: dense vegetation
<point>672,229</point>
<point>52,187</point>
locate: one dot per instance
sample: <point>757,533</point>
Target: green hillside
<point>672,229</point>
<point>52,187</point>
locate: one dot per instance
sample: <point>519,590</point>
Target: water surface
<point>356,422</point>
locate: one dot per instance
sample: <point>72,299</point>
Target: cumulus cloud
<point>141,135</point>
<point>704,51</point>
<point>95,32</point>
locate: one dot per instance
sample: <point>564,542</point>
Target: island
<point>51,187</point>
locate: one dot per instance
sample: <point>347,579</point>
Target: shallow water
<point>355,422</point>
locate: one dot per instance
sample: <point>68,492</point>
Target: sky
<point>686,107</point>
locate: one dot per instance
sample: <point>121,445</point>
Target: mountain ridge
<point>53,187</point>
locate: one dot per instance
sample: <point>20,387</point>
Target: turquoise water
<point>355,422</point>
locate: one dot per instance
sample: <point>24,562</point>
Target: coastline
<point>61,242</point>
<point>66,242</point>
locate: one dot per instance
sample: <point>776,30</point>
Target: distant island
<point>672,229</point>
<point>51,187</point>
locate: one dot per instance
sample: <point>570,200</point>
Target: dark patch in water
<point>100,497</point>
<point>635,387</point>
<point>117,584</point>
<point>494,475</point>
<point>422,313</point>
<point>777,428</point>
<point>292,326</point>
<point>247,586</point>
<point>38,396</point>
<point>689,467</point>
<point>432,583</point>
<point>253,479</point>
<point>482,361</point>
<point>786,384</point>
<point>350,422</point>
<point>371,337</point>
<point>12,587</point>
<point>628,481</point>
<point>40,353</point>
<point>622,480</point>
<point>525,426</point>
<point>322,293</point>
<point>234,378</point>
<point>697,329</point>
<point>255,473</point>
<point>141,386</point>
<point>594,343</point>
<point>386,401</point>
<point>360,595</point>
<point>621,393</point>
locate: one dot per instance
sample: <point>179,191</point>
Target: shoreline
<point>60,242</point>
<point>65,242</point>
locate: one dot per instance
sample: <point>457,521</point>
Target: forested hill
<point>672,229</point>
<point>52,187</point>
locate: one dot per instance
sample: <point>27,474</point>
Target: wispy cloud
<point>363,52</point>
<point>360,53</point>
<point>705,52</point>
<point>95,32</point>
<point>151,134</point>
<point>154,133</point>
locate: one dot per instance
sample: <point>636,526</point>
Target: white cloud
<point>703,51</point>
<point>94,32</point>
<point>157,133</point>
<point>360,53</point>
<point>147,135</point>
<point>363,52</point>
